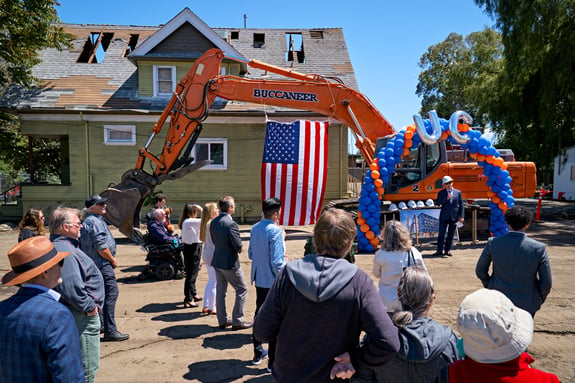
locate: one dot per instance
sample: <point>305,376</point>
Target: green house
<point>101,98</point>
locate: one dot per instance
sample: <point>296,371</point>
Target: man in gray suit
<point>452,212</point>
<point>521,268</point>
<point>228,244</point>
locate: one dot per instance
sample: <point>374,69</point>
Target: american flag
<point>294,169</point>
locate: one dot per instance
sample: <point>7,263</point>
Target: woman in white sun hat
<point>495,335</point>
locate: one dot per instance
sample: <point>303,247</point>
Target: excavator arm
<point>189,106</point>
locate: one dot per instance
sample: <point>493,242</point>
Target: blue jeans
<point>89,332</point>
<point>108,314</point>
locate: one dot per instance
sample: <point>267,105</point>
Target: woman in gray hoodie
<point>425,345</point>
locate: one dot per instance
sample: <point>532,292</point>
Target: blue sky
<point>385,38</point>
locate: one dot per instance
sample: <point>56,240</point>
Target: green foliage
<point>534,106</point>
<point>460,74</point>
<point>25,28</point>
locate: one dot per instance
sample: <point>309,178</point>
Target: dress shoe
<point>227,324</point>
<point>242,326</point>
<point>197,299</point>
<point>190,304</point>
<point>448,253</point>
<point>115,336</point>
<point>436,254</point>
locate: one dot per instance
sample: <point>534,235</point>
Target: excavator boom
<point>190,104</point>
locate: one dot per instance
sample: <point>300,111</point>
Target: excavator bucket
<point>126,198</point>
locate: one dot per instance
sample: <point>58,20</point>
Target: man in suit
<point>82,286</point>
<point>451,202</point>
<point>228,244</point>
<point>521,267</point>
<point>38,337</point>
<point>267,252</point>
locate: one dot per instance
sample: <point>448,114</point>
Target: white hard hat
<point>446,179</point>
<point>420,204</point>
<point>402,205</point>
<point>392,207</point>
<point>411,204</point>
<point>429,202</point>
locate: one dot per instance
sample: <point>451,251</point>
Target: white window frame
<point>125,128</point>
<point>155,80</point>
<point>224,142</point>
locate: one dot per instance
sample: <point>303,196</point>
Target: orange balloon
<point>369,235</point>
<point>490,159</point>
<point>445,135</point>
<point>502,205</point>
<point>360,221</point>
<point>359,214</point>
<point>504,166</point>
<point>408,134</point>
<point>374,166</point>
<point>380,190</point>
<point>495,199</point>
<point>408,143</point>
<point>489,194</point>
<point>481,157</point>
<point>473,155</point>
<point>462,127</point>
<point>378,183</point>
<point>364,228</point>
<point>375,242</point>
<point>405,151</point>
<point>374,174</point>
<point>498,161</point>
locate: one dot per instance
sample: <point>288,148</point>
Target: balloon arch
<point>428,132</point>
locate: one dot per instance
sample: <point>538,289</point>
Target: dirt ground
<point>171,344</point>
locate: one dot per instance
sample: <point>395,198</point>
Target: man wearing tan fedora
<point>38,338</point>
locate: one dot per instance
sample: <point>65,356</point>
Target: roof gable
<point>177,26</point>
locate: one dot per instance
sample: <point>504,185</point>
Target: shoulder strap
<point>410,258</point>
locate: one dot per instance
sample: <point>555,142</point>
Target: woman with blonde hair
<point>210,212</point>
<point>394,256</point>
<point>31,225</point>
<point>190,226</point>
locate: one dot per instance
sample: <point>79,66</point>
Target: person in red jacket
<point>495,335</point>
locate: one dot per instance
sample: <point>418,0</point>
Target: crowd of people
<point>349,328</point>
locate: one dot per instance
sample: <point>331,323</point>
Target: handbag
<point>410,259</point>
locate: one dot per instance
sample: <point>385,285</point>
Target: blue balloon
<point>369,248</point>
<point>383,172</point>
<point>382,163</point>
<point>363,241</point>
<point>399,143</point>
<point>389,152</point>
<point>374,195</point>
<point>398,151</point>
<point>492,152</point>
<point>372,208</point>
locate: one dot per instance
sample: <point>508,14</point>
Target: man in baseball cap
<point>94,199</point>
<point>38,338</point>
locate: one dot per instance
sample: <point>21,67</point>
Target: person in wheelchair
<point>158,233</point>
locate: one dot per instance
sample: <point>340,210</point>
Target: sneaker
<point>258,359</point>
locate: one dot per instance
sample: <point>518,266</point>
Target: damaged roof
<point>74,79</point>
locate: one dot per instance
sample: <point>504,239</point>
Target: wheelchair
<point>164,261</point>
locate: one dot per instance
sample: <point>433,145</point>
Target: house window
<point>572,173</point>
<point>295,48</point>
<point>259,40</point>
<point>235,35</point>
<point>120,134</point>
<point>215,149</point>
<point>164,80</point>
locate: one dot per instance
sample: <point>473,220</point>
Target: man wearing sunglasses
<point>82,286</point>
<point>452,212</point>
<point>97,241</point>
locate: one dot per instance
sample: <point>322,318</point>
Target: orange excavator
<point>417,177</point>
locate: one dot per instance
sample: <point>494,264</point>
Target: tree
<point>535,103</point>
<point>26,27</point>
<point>460,73</point>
